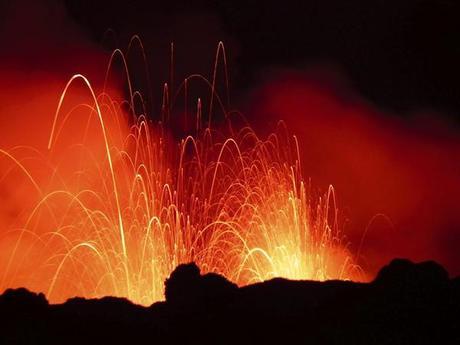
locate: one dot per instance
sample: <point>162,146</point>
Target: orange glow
<point>115,202</point>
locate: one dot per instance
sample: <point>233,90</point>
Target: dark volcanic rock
<point>187,290</point>
<point>22,301</point>
<point>404,272</point>
<point>407,303</point>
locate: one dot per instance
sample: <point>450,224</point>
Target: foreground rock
<point>407,303</point>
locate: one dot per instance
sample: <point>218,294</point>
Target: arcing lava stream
<point>116,202</point>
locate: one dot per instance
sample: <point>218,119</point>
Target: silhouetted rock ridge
<point>407,303</point>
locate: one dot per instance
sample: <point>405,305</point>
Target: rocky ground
<point>406,303</point>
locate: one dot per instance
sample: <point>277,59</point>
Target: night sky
<point>400,55</point>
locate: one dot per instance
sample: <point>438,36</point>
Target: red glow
<point>405,169</point>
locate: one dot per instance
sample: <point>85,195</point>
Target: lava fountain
<point>116,202</point>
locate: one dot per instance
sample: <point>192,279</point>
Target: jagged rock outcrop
<point>407,303</point>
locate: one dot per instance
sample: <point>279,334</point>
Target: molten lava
<point>116,202</point>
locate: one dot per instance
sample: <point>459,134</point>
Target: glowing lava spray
<point>120,203</point>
